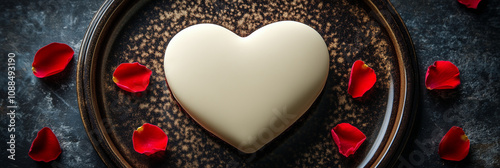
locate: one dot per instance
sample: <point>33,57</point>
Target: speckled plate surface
<point>139,31</point>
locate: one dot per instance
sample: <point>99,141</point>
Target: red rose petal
<point>132,77</point>
<point>149,139</point>
<point>45,147</point>
<point>455,145</point>
<point>362,79</point>
<point>348,138</point>
<point>51,59</point>
<point>442,75</point>
<point>470,3</point>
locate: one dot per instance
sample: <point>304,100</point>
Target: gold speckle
<point>340,60</point>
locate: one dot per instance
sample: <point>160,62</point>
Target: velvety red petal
<point>470,3</point>
<point>45,147</point>
<point>348,138</point>
<point>455,145</point>
<point>361,80</point>
<point>149,139</point>
<point>51,59</point>
<point>132,77</point>
<point>442,75</point>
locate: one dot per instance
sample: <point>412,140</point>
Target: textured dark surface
<point>441,30</point>
<point>26,26</point>
<point>469,38</point>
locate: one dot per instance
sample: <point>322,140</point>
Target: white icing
<point>247,90</point>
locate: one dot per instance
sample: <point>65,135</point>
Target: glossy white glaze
<point>247,90</point>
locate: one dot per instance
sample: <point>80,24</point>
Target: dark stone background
<point>469,38</point>
<point>440,29</point>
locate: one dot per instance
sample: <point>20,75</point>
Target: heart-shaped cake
<point>247,90</point>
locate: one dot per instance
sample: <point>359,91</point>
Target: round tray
<point>139,31</point>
